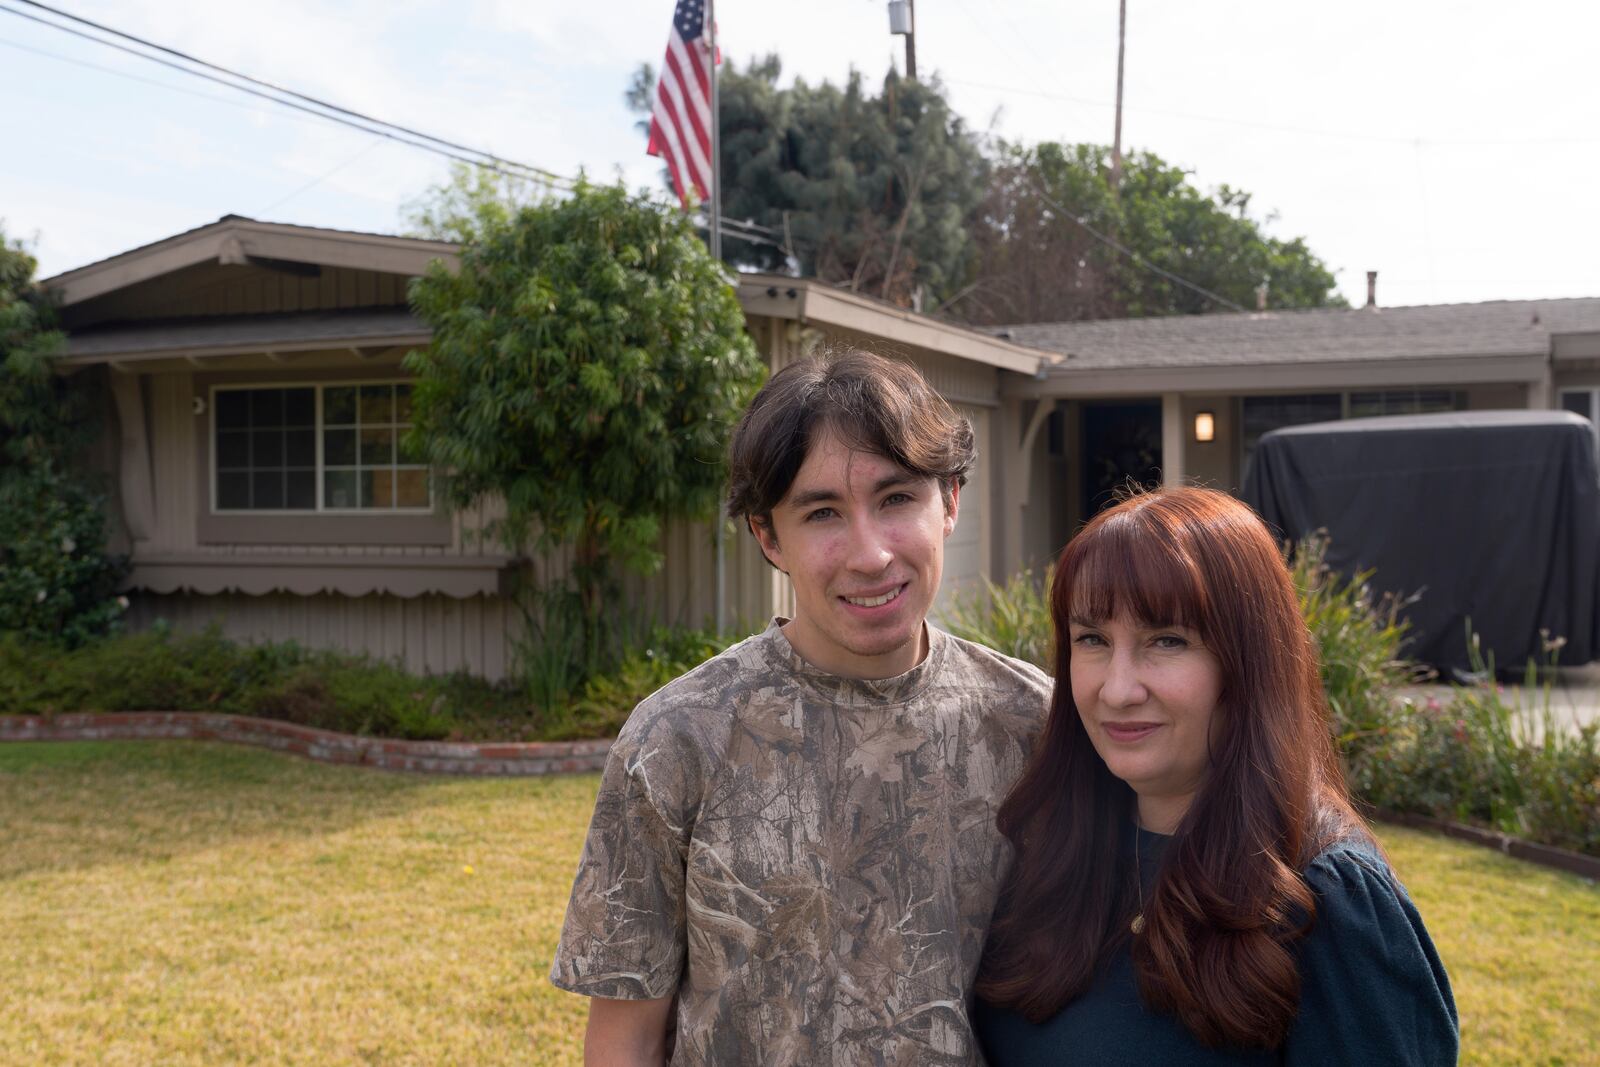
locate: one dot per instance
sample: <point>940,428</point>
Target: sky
<point>1450,146</point>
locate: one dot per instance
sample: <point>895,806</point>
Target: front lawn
<point>196,904</point>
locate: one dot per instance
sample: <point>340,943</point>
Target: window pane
<point>300,448</point>
<point>233,409</point>
<point>402,403</point>
<point>339,489</point>
<point>302,490</point>
<point>266,407</point>
<point>233,449</point>
<point>266,489</point>
<point>299,407</point>
<point>339,406</point>
<point>1436,400</point>
<point>377,404</point>
<point>377,447</point>
<point>382,488</point>
<point>364,482</point>
<point>233,490</point>
<point>412,488</point>
<point>266,448</point>
<point>1261,414</point>
<point>339,448</point>
<point>1579,403</point>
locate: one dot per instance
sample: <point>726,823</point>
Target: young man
<point>793,856</point>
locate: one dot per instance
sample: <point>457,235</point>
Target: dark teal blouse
<point>1372,989</point>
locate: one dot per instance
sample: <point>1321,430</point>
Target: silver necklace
<point>1137,926</point>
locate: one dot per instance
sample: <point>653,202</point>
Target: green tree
<point>471,202</point>
<point>56,581</point>
<point>588,361</point>
<point>1035,263</point>
<point>874,192</point>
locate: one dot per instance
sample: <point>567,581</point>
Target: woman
<point>1191,883</point>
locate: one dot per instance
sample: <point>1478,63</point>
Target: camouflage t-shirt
<point>808,862</point>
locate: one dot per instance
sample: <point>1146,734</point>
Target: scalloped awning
<point>406,576</point>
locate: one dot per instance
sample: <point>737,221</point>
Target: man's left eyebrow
<point>895,481</point>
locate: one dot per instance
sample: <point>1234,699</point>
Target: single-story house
<point>255,394</point>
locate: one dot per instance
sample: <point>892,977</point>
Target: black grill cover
<point>1491,515</point>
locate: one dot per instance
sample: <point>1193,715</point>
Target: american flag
<point>680,125</point>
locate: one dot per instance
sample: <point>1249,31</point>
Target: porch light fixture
<point>1205,427</point>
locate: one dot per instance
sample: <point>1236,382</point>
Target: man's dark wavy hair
<point>873,404</point>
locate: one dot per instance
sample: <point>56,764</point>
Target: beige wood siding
<point>427,634</point>
<point>967,551</point>
<point>212,289</point>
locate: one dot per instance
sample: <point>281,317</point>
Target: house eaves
<point>359,331</point>
<point>1281,377</point>
<point>808,301</point>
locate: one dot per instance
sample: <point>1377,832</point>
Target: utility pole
<point>911,41</point>
<point>1116,140</point>
<point>903,23</point>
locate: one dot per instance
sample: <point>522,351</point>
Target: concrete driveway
<point>1574,696</point>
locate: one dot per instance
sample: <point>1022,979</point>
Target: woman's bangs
<point>1126,567</point>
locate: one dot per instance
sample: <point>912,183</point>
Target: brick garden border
<point>483,759</point>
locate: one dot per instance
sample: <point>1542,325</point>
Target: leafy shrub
<point>1480,757</point>
<point>158,670</point>
<point>57,583</point>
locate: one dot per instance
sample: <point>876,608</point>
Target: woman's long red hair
<point>1216,951</point>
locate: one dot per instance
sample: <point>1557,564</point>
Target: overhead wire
<point>282,90</point>
<point>319,108</point>
<point>1113,243</point>
<point>489,162</point>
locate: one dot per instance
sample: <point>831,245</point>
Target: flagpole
<point>715,228</point>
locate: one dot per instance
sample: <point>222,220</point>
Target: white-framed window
<point>1260,414</point>
<point>1584,401</point>
<point>333,447</point>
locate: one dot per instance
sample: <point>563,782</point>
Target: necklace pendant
<point>1137,926</point>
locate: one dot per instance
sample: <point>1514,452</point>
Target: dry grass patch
<point>179,904</point>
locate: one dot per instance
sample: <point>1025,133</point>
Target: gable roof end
<point>235,239</point>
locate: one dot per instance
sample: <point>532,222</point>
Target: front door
<point>1121,447</point>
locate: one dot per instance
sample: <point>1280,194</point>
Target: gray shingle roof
<point>1496,328</point>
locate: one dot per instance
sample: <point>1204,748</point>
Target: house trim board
<point>824,305</point>
<point>1269,378</point>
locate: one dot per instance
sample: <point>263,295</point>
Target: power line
<point>324,104</point>
<point>1112,242</point>
<point>319,108</point>
<point>129,75</point>
<point>313,183</point>
<point>489,161</point>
